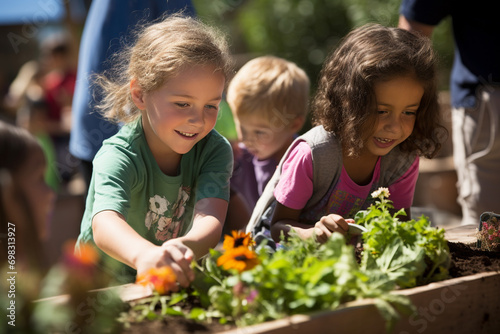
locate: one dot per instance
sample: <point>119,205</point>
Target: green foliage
<point>301,277</point>
<point>83,311</point>
<point>306,31</point>
<point>411,252</point>
<point>302,31</point>
<point>385,12</point>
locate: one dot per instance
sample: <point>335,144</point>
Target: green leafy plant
<point>300,277</point>
<point>245,286</point>
<point>411,252</point>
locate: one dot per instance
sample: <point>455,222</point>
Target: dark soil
<point>469,260</point>
<point>465,260</point>
<point>177,325</point>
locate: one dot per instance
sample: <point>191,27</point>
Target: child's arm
<point>284,219</point>
<point>208,221</point>
<point>114,236</point>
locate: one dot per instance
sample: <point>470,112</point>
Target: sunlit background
<point>303,31</point>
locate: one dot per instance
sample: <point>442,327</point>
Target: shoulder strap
<point>327,165</point>
<point>394,165</point>
<point>327,161</point>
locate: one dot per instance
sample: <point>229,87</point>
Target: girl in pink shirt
<point>377,95</point>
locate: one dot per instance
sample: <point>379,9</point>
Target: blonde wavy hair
<point>271,88</point>
<point>160,52</point>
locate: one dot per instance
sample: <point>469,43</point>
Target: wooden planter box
<point>467,305</point>
<point>461,305</point>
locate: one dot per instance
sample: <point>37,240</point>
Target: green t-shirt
<point>127,179</point>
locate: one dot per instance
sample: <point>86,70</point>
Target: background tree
<point>306,31</point>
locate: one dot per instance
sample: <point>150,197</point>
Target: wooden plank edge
<point>341,318</point>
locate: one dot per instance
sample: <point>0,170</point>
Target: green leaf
<point>198,314</point>
<point>177,297</point>
<point>151,315</point>
<point>174,310</point>
<point>387,312</point>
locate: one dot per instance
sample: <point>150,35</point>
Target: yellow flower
<point>161,279</point>
<point>238,239</point>
<point>240,258</point>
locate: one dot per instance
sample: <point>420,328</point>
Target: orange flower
<point>240,258</point>
<point>162,279</point>
<point>86,255</point>
<point>238,239</point>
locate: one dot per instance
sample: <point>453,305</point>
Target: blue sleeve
<point>429,12</point>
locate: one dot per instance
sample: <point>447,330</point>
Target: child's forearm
<point>304,231</point>
<point>208,222</point>
<point>204,236</point>
<point>114,236</point>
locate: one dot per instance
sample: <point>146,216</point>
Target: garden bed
<point>459,305</point>
<point>466,303</point>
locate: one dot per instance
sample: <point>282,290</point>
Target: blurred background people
<point>269,98</point>
<point>26,201</point>
<point>475,95</point>
<point>58,65</point>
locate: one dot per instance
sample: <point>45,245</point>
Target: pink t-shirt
<point>344,198</point>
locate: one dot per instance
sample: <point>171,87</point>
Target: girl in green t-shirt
<point>160,187</point>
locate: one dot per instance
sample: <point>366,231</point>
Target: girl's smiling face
<point>181,112</point>
<point>398,100</point>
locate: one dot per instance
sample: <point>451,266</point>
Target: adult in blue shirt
<point>475,94</point>
<point>108,27</point>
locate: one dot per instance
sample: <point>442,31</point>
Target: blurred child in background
<point>269,99</point>
<point>58,62</point>
<point>26,201</point>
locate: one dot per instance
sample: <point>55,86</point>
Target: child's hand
<point>172,253</point>
<point>324,228</point>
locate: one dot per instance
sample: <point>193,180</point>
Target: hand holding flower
<point>174,254</point>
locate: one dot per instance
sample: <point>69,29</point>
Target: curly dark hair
<point>345,102</point>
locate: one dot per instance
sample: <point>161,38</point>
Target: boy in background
<point>269,100</point>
